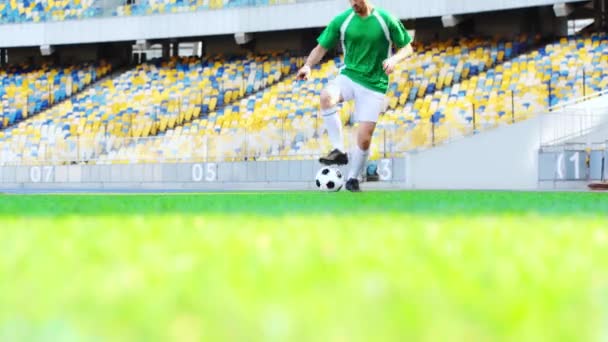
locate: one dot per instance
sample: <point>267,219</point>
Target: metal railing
<point>564,126</point>
<point>575,118</point>
<point>239,146</point>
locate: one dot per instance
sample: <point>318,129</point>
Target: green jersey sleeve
<point>399,34</point>
<point>330,36</point>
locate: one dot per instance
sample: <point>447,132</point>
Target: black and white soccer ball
<point>330,179</point>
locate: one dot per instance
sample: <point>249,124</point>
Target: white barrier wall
<point>229,21</point>
<point>504,158</point>
<point>284,175</point>
<point>508,157</point>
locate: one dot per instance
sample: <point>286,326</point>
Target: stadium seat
<point>43,10</point>
<point>14,11</point>
<point>26,90</point>
<point>252,107</point>
<point>148,100</point>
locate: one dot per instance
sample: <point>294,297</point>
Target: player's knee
<point>364,138</point>
<point>364,141</point>
<point>326,100</point>
<point>364,144</point>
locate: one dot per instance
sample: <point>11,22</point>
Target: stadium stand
<point>257,120</point>
<point>23,11</point>
<point>20,11</point>
<point>246,108</point>
<point>432,98</point>
<point>282,121</point>
<point>513,91</point>
<point>146,7</point>
<point>27,90</point>
<point>144,101</point>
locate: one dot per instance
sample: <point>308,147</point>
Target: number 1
<point>575,160</point>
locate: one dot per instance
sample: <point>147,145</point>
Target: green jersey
<point>366,43</point>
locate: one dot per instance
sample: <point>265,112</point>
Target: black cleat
<point>352,185</point>
<point>335,157</point>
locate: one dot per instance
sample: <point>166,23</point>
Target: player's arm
<point>326,41</point>
<point>402,41</point>
<point>403,53</point>
<point>316,55</point>
<point>398,57</point>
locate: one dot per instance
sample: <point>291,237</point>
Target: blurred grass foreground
<point>375,266</point>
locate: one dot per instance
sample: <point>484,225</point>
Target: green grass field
<point>375,266</point>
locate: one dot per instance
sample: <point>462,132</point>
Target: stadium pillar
<point>166,50</point>
<point>135,60</point>
<point>551,22</point>
<point>175,45</point>
<point>601,19</point>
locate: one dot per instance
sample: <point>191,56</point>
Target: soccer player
<point>367,35</point>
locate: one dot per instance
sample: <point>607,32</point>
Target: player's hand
<point>303,73</point>
<point>388,65</point>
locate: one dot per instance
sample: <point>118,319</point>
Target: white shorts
<point>368,103</point>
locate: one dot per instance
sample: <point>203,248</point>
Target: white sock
<point>333,125</point>
<point>358,160</point>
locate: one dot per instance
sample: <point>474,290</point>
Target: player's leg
<point>359,154</point>
<point>336,91</point>
<point>368,106</point>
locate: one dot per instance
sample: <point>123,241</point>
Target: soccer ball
<point>329,179</point>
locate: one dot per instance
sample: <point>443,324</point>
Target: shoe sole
<point>332,162</point>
